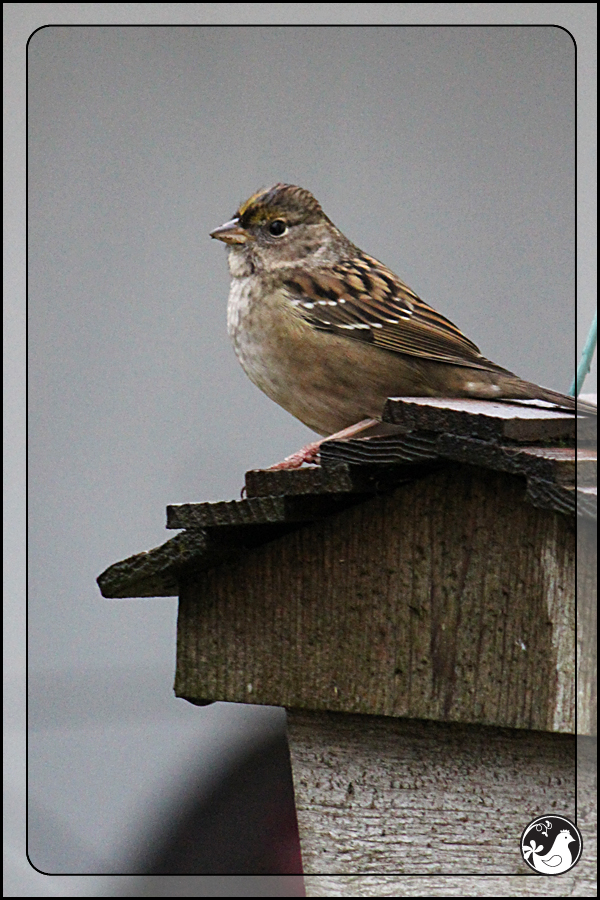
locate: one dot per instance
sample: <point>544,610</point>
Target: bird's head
<point>566,836</point>
<point>282,226</point>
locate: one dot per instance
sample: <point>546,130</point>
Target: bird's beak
<point>231,233</point>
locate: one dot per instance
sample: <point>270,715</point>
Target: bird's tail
<point>528,390</point>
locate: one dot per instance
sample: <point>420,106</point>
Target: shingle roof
<point>530,440</point>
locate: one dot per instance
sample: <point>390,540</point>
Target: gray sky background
<point>446,152</point>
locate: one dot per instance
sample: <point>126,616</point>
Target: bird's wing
<point>362,299</point>
<point>554,861</point>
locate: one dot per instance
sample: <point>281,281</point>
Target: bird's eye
<point>277,227</point>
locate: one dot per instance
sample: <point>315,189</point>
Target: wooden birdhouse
<point>411,603</point>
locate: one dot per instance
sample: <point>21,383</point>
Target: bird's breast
<point>239,307</point>
<point>256,322</point>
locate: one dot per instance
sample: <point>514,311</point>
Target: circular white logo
<point>551,845</point>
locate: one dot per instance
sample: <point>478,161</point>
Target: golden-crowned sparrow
<point>330,333</point>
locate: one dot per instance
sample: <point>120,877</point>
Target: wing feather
<point>363,300</point>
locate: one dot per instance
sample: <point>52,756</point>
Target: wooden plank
<point>450,599</point>
<point>158,572</point>
<point>579,882</point>
<point>488,420</point>
<point>559,464</point>
<point>308,480</point>
<point>335,479</point>
<point>392,449</point>
<point>257,511</point>
<point>554,464</point>
<point>400,796</point>
<point>550,471</point>
<point>567,464</point>
<point>155,573</point>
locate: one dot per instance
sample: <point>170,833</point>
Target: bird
<point>329,332</point>
<point>557,860</point>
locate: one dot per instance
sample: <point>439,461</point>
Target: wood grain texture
<point>550,471</point>
<point>553,464</point>
<point>155,573</point>
<point>490,420</point>
<point>258,510</point>
<point>570,885</point>
<point>395,796</point>
<point>587,627</point>
<point>449,599</point>
<point>336,479</point>
<point>395,449</point>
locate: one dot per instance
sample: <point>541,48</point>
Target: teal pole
<point>586,358</point>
